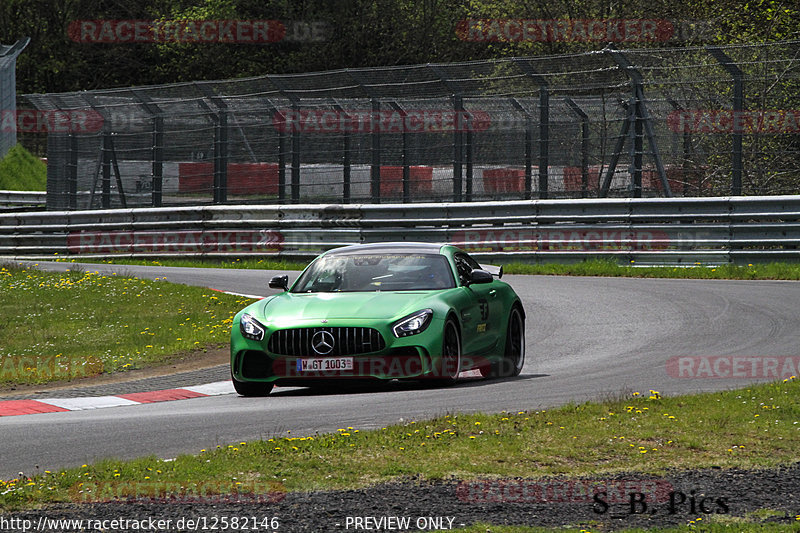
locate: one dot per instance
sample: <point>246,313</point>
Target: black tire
<point>450,362</point>
<point>514,357</point>
<point>251,388</point>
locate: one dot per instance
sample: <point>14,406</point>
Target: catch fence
<point>701,121</point>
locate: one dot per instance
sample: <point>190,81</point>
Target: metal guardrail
<point>646,231</point>
<point>22,198</point>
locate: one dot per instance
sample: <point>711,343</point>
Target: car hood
<point>298,307</point>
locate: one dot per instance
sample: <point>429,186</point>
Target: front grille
<point>346,341</point>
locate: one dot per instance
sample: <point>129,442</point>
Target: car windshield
<point>376,272</point>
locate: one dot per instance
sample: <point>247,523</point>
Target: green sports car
<point>380,311</point>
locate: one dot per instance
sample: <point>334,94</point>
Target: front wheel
<point>251,388</point>
<point>450,362</point>
<point>513,359</point>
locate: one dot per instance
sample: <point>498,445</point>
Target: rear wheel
<point>251,388</point>
<point>450,362</point>
<point>514,357</point>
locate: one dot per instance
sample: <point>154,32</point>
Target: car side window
<point>464,267</point>
<point>472,263</point>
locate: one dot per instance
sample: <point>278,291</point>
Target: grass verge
<point>56,326</point>
<point>766,271</point>
<point>787,271</point>
<point>749,428</point>
<point>251,264</point>
<point>22,171</point>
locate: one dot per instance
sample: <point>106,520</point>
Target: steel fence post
<point>737,76</point>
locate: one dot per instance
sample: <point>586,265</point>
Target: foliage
<point>358,34</point>
<point>22,171</point>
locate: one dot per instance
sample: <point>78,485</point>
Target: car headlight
<point>413,324</point>
<point>251,328</point>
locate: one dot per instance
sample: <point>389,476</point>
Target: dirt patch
<point>185,362</point>
<point>710,495</point>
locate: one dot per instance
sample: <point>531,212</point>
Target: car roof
<point>389,247</point>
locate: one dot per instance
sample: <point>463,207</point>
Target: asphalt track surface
<point>586,338</point>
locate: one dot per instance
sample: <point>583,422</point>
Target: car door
<point>481,315</point>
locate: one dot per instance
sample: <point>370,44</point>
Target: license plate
<point>327,364</point>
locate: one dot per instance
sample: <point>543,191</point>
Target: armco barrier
<point>647,231</point>
<point>22,198</point>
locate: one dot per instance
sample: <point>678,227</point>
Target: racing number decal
<point>484,305</point>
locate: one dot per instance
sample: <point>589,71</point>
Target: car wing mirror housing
<point>479,276</point>
<point>493,270</point>
<point>279,282</point>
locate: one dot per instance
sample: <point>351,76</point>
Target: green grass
<point>246,263</point>
<point>22,171</point>
<point>62,325</point>
<point>766,271</point>
<point>788,271</point>
<point>749,428</point>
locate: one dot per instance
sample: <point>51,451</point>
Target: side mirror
<point>493,270</point>
<point>479,276</point>
<point>279,282</point>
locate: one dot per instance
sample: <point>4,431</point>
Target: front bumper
<point>401,358</point>
<point>256,365</point>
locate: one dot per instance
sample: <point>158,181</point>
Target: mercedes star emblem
<point>322,342</point>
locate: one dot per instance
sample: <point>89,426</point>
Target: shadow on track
<point>369,387</point>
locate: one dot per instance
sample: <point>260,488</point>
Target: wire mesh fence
<point>8,93</point>
<point>631,122</point>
